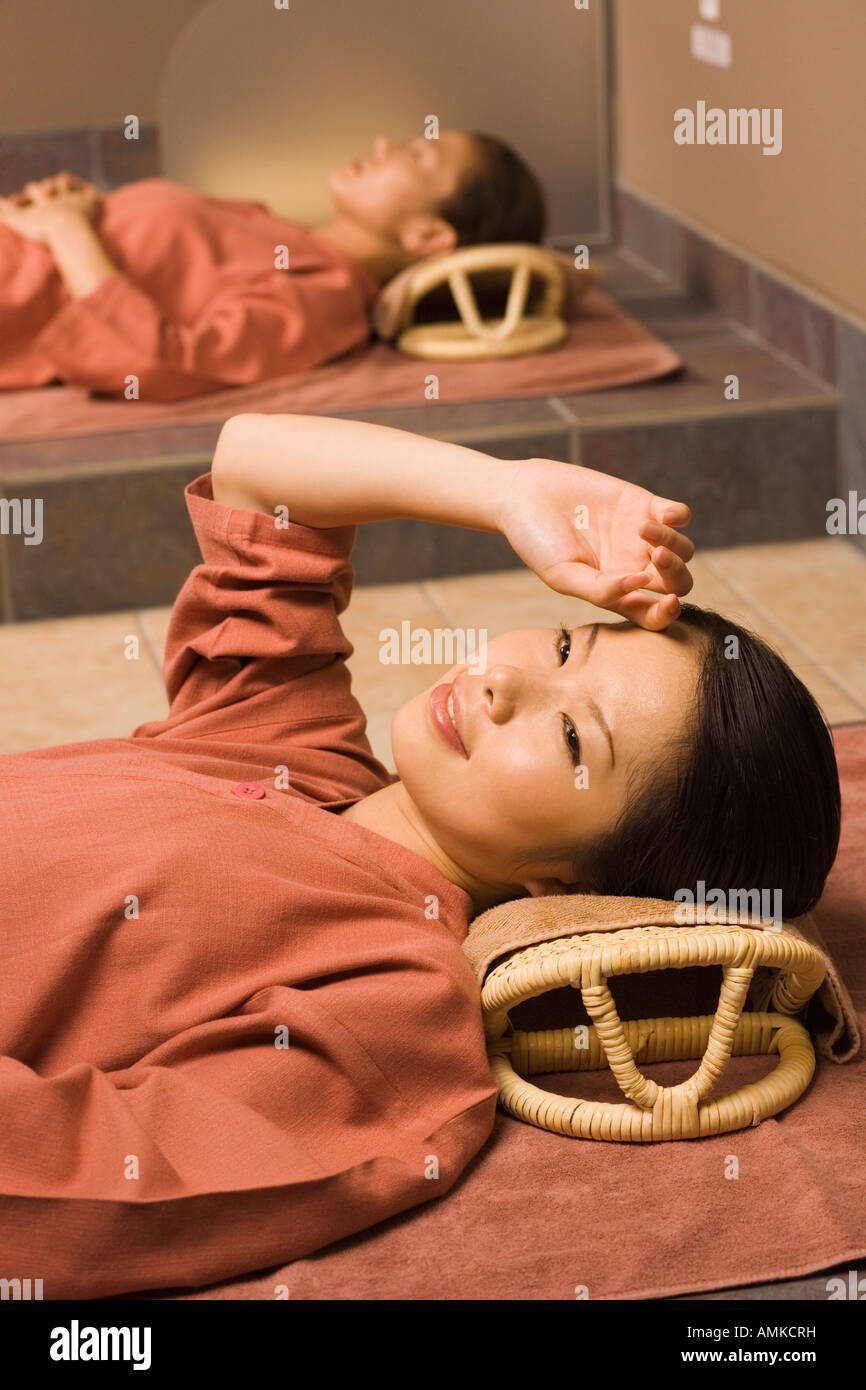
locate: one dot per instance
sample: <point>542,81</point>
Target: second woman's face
<point>401,179</point>
<point>550,731</point>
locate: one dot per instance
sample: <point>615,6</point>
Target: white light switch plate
<point>708,9</point>
<point>711,46</point>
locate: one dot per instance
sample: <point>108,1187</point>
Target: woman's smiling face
<point>555,726</point>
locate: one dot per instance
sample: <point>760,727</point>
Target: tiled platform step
<point>754,469</point>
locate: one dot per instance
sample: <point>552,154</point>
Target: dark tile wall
<point>656,239</point>
<point>104,546</point>
<point>120,539</point>
<point>793,324</point>
<point>713,275</point>
<point>770,472</point>
<point>830,346</point>
<point>99,153</point>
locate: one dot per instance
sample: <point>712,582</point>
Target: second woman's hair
<point>499,200</point>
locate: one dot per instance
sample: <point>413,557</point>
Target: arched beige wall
<point>84,62</point>
<point>802,211</point>
<point>261,103</point>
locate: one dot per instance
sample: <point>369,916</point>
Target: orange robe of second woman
<point>197,302</point>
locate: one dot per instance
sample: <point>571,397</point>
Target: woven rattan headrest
<point>778,969</point>
<point>500,300</point>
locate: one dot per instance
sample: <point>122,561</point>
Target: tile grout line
<point>148,642</point>
<point>833,680</point>
<point>793,363</point>
<point>433,600</point>
<point>841,686</point>
<point>575,448</point>
<point>738,253</point>
<point>82,471</point>
<point>561,409</point>
<point>762,612</point>
<point>647,267</point>
<point>7,615</point>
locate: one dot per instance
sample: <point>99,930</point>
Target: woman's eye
<point>572,740</point>
<point>562,647</point>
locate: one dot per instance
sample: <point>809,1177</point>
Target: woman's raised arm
<point>584,533</point>
<point>342,472</point>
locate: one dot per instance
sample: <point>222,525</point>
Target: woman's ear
<point>424,235</point>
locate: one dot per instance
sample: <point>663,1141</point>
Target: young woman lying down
<point>189,293</point>
<point>236,1021</point>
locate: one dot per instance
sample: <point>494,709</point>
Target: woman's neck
<point>390,812</point>
<point>381,258</point>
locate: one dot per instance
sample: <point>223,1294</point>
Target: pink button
<point>249,789</point>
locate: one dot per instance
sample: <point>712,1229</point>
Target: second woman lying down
<point>189,293</point>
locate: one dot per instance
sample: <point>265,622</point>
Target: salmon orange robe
<point>234,1026</point>
<point>197,302</point>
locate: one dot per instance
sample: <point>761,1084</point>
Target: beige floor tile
<point>66,680</point>
<point>379,734</point>
<point>814,590</point>
<point>509,599</point>
<point>837,702</point>
<point>850,674</point>
<point>154,623</point>
<point>377,608</point>
<point>711,591</point>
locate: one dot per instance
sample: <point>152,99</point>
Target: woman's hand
<point>67,189</point>
<point>41,209</point>
<point>599,538</point>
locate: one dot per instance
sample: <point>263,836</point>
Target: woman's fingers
<point>38,192</point>
<point>658,534</point>
<point>603,588</point>
<point>673,573</point>
<point>620,593</point>
<point>670,512</point>
<point>645,611</point>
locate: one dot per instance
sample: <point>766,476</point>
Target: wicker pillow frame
<point>653,1112</point>
<point>472,336</point>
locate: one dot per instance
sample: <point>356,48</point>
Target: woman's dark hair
<point>751,800</point>
<point>499,200</point>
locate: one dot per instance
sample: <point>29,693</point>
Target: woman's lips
<point>438,704</point>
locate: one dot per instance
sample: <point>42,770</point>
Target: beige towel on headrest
<point>506,928</point>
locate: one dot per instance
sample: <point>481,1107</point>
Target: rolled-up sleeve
<point>255,652</point>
